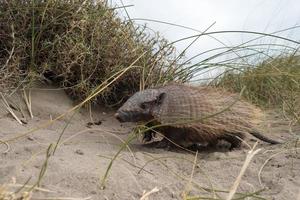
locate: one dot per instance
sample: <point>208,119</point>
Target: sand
<point>83,156</point>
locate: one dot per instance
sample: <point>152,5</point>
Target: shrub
<point>79,45</point>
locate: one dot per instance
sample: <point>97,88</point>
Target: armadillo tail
<point>258,135</point>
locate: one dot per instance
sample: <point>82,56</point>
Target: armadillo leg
<point>235,139</point>
<point>147,136</point>
<point>164,144</point>
<point>212,144</point>
<point>172,137</point>
<point>150,134</point>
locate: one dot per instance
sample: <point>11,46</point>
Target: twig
<point>62,132</point>
<point>12,50</point>
<point>147,194</point>
<point>9,109</point>
<point>188,185</point>
<point>81,6</point>
<point>7,146</point>
<point>43,168</point>
<point>28,102</point>
<point>103,179</point>
<point>90,112</point>
<point>29,186</point>
<point>249,157</point>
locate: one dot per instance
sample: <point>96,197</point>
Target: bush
<point>79,45</point>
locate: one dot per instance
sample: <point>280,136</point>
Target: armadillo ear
<point>161,98</point>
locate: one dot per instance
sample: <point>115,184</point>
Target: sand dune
<point>85,150</point>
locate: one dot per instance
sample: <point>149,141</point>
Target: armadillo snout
<point>120,116</point>
<point>124,116</point>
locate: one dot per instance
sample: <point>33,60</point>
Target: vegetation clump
<point>79,45</point>
<point>275,82</point>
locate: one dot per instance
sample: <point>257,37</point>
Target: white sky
<point>255,15</point>
<point>252,15</point>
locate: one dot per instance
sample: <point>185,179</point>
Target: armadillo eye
<point>143,106</point>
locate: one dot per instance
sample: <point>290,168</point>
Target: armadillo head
<point>139,107</point>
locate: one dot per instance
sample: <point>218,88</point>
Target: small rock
<point>79,152</point>
<point>90,124</point>
<point>98,123</point>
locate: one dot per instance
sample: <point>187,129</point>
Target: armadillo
<point>187,115</point>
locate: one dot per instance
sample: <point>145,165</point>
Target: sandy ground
<point>84,153</point>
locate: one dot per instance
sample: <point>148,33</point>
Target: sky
<point>265,16</point>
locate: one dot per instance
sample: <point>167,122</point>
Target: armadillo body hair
<point>188,115</point>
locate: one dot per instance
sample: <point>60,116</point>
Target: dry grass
<point>86,49</point>
<point>273,83</point>
<point>78,45</point>
<point>6,194</point>
<point>249,157</point>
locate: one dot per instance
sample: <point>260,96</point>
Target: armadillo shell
<point>206,109</point>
